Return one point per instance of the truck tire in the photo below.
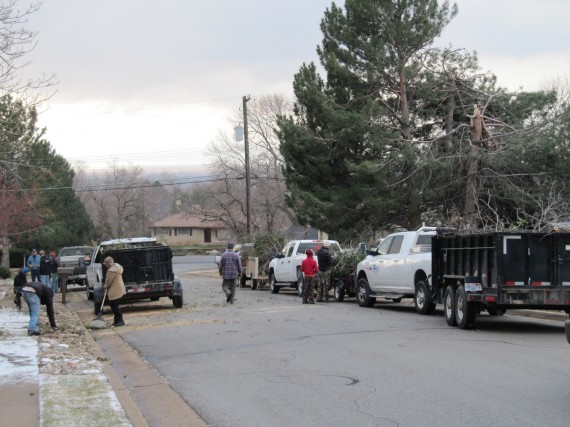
(465, 312)
(273, 284)
(422, 299)
(338, 291)
(449, 306)
(178, 301)
(300, 283)
(363, 293)
(253, 284)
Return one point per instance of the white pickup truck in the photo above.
(398, 269)
(285, 270)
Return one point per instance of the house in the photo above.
(185, 229)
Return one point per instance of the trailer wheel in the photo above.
(178, 301)
(338, 292)
(465, 312)
(273, 284)
(363, 293)
(449, 306)
(300, 284)
(254, 284)
(422, 299)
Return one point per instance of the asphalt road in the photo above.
(269, 360)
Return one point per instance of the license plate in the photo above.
(473, 287)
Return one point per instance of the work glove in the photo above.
(18, 302)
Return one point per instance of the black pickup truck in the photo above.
(147, 270)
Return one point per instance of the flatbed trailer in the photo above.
(499, 271)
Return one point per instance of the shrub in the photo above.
(5, 273)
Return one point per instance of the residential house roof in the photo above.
(184, 219)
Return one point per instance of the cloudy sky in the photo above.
(155, 82)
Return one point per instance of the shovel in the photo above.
(100, 315)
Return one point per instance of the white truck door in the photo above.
(283, 267)
(385, 268)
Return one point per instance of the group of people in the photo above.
(43, 268)
(230, 268)
(321, 271)
(41, 290)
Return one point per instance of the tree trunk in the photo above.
(5, 262)
(469, 212)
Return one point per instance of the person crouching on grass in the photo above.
(36, 294)
(310, 269)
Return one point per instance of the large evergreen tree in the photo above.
(51, 214)
(349, 151)
(401, 132)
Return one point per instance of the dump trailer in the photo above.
(499, 271)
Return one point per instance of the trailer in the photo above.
(499, 271)
(251, 270)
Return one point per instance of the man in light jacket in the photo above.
(115, 288)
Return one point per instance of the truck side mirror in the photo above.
(81, 261)
(362, 248)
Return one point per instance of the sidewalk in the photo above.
(57, 379)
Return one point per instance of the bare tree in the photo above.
(227, 194)
(16, 44)
(118, 203)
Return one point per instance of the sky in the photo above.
(155, 82)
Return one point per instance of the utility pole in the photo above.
(246, 143)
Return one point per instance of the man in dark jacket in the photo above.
(36, 293)
(325, 264)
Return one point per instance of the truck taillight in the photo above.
(490, 298)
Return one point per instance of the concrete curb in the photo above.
(131, 409)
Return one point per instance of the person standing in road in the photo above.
(325, 264)
(45, 268)
(310, 269)
(33, 264)
(230, 269)
(54, 264)
(36, 293)
(115, 288)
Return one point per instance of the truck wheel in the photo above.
(254, 284)
(300, 284)
(363, 293)
(338, 292)
(178, 301)
(273, 284)
(449, 306)
(422, 299)
(464, 310)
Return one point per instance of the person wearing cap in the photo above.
(230, 269)
(54, 264)
(21, 278)
(325, 264)
(45, 268)
(115, 288)
(310, 269)
(33, 263)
